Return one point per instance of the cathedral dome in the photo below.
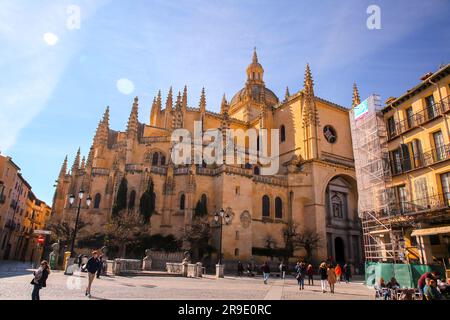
(270, 97)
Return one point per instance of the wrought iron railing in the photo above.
(421, 160)
(425, 204)
(419, 118)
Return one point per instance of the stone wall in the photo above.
(160, 259)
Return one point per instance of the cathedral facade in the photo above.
(314, 187)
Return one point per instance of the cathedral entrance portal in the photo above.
(339, 249)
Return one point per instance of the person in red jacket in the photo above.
(310, 274)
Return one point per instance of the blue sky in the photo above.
(52, 96)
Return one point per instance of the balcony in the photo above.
(417, 119)
(422, 205)
(422, 160)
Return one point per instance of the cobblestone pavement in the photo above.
(15, 284)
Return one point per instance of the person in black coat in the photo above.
(40, 279)
(92, 266)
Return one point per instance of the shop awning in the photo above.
(430, 231)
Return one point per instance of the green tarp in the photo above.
(407, 275)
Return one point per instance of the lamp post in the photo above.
(221, 217)
(71, 201)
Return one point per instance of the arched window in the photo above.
(204, 200)
(182, 201)
(163, 159)
(236, 252)
(282, 133)
(265, 206)
(278, 208)
(256, 171)
(132, 200)
(97, 200)
(337, 206)
(155, 159)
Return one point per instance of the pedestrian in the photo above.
(431, 291)
(39, 280)
(323, 276)
(310, 273)
(266, 272)
(347, 272)
(338, 271)
(92, 267)
(240, 269)
(249, 270)
(282, 268)
(421, 282)
(99, 271)
(331, 277)
(301, 274)
(80, 260)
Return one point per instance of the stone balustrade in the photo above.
(126, 266)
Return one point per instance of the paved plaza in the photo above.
(15, 284)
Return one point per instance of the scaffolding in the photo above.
(373, 172)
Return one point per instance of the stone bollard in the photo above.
(220, 270)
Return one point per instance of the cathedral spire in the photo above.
(105, 119)
(63, 171)
(356, 99)
(178, 101)
(287, 94)
(308, 83)
(153, 112)
(184, 99)
(202, 104)
(169, 101)
(224, 106)
(83, 164)
(76, 163)
(132, 125)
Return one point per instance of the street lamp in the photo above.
(221, 217)
(71, 201)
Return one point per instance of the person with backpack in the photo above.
(301, 274)
(39, 280)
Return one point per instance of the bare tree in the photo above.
(63, 231)
(197, 234)
(125, 229)
(294, 239)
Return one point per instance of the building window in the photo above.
(337, 206)
(265, 206)
(278, 208)
(396, 161)
(431, 108)
(132, 200)
(445, 182)
(391, 127)
(409, 117)
(439, 146)
(236, 252)
(282, 133)
(416, 151)
(155, 159)
(238, 190)
(421, 192)
(163, 160)
(256, 171)
(330, 134)
(97, 200)
(237, 235)
(182, 201)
